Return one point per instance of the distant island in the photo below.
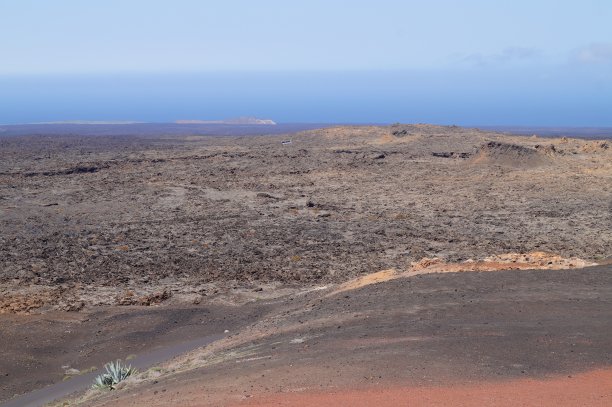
(88, 122)
(239, 120)
(244, 120)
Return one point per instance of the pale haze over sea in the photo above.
(522, 64)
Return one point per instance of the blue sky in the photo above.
(465, 62)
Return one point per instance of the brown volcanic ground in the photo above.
(197, 222)
(128, 213)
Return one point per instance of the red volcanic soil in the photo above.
(588, 389)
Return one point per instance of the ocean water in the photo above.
(442, 97)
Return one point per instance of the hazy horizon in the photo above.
(465, 98)
(518, 64)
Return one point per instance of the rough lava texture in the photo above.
(93, 218)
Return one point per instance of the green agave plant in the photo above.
(115, 373)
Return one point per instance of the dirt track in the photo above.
(38, 350)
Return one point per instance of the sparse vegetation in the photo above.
(115, 373)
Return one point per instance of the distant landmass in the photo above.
(239, 120)
(90, 122)
(244, 126)
(219, 128)
(548, 131)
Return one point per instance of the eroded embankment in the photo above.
(507, 261)
(32, 298)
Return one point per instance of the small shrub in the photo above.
(115, 373)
